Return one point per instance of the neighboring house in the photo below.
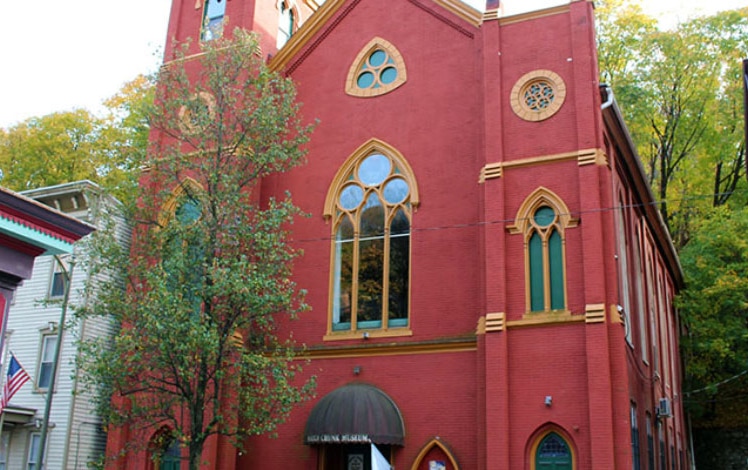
(75, 436)
(488, 274)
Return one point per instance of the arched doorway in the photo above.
(435, 456)
(552, 453)
(355, 427)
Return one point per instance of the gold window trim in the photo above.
(523, 225)
(338, 183)
(351, 85)
(187, 186)
(519, 105)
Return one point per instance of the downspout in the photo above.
(609, 102)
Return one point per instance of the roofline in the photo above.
(41, 212)
(614, 120)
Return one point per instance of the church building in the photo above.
(491, 284)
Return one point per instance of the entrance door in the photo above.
(553, 454)
(351, 456)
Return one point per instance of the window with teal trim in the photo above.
(213, 15)
(371, 269)
(546, 263)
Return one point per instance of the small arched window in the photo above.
(543, 219)
(378, 69)
(553, 452)
(371, 203)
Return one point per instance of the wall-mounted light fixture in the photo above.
(548, 400)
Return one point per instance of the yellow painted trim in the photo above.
(463, 10)
(533, 15)
(304, 34)
(372, 333)
(495, 322)
(523, 225)
(481, 329)
(583, 157)
(391, 349)
(542, 197)
(554, 317)
(427, 448)
(557, 430)
(371, 146)
(492, 14)
(616, 316)
(594, 313)
(351, 82)
(170, 206)
(516, 97)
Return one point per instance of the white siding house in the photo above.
(75, 434)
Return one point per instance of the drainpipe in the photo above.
(610, 100)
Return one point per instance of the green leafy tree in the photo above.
(714, 308)
(680, 92)
(207, 279)
(74, 145)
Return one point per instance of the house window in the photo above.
(57, 283)
(46, 362)
(371, 204)
(35, 440)
(624, 290)
(378, 69)
(286, 23)
(213, 19)
(543, 219)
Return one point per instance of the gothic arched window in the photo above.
(371, 202)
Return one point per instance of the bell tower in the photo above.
(275, 21)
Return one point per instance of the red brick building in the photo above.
(492, 287)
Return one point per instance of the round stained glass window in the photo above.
(539, 95)
(351, 196)
(396, 190)
(544, 216)
(374, 169)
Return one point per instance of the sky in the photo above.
(77, 53)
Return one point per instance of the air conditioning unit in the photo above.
(664, 409)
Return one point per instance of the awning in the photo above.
(355, 413)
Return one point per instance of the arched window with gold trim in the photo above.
(183, 250)
(378, 69)
(543, 219)
(370, 203)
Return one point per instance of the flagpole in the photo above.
(68, 275)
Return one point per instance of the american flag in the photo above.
(13, 382)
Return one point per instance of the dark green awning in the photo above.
(355, 413)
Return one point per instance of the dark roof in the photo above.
(355, 413)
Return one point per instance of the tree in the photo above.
(714, 308)
(680, 91)
(207, 279)
(73, 145)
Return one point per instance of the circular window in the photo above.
(538, 95)
(197, 113)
